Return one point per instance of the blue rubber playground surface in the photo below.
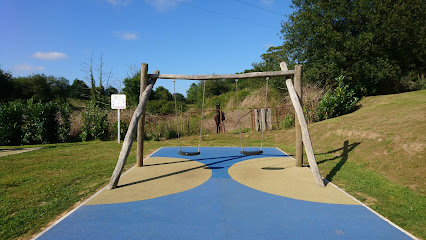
(222, 208)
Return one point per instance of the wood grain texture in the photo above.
(128, 140)
(224, 76)
(299, 142)
(141, 123)
(305, 134)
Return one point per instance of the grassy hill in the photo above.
(384, 161)
(377, 154)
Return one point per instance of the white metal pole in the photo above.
(118, 125)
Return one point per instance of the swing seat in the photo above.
(249, 153)
(189, 153)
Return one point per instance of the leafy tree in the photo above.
(110, 90)
(40, 88)
(6, 86)
(35, 86)
(179, 97)
(215, 88)
(162, 93)
(79, 90)
(59, 88)
(375, 44)
(131, 89)
(193, 93)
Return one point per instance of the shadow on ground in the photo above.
(343, 158)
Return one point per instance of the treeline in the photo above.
(42, 88)
(161, 101)
(378, 46)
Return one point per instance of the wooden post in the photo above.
(141, 123)
(263, 118)
(276, 118)
(298, 88)
(299, 142)
(128, 140)
(269, 118)
(252, 121)
(256, 119)
(305, 134)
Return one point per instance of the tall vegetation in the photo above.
(378, 45)
(27, 122)
(161, 101)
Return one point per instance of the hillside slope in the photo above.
(390, 132)
(377, 154)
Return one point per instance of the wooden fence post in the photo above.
(141, 123)
(256, 119)
(269, 118)
(263, 118)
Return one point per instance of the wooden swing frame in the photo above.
(147, 84)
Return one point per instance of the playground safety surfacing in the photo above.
(222, 194)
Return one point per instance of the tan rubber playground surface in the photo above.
(162, 176)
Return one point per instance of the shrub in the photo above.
(95, 123)
(336, 103)
(123, 130)
(34, 123)
(288, 122)
(11, 122)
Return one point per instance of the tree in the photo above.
(131, 89)
(6, 86)
(179, 97)
(193, 93)
(111, 90)
(162, 93)
(79, 90)
(35, 86)
(376, 44)
(59, 88)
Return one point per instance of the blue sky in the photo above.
(174, 36)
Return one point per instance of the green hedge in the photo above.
(26, 122)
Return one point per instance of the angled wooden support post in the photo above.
(298, 88)
(305, 134)
(128, 140)
(141, 123)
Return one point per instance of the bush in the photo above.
(95, 123)
(288, 122)
(123, 130)
(33, 123)
(339, 102)
(11, 122)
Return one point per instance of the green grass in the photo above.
(383, 165)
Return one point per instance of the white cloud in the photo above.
(127, 35)
(268, 45)
(27, 67)
(163, 5)
(53, 56)
(117, 3)
(267, 2)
